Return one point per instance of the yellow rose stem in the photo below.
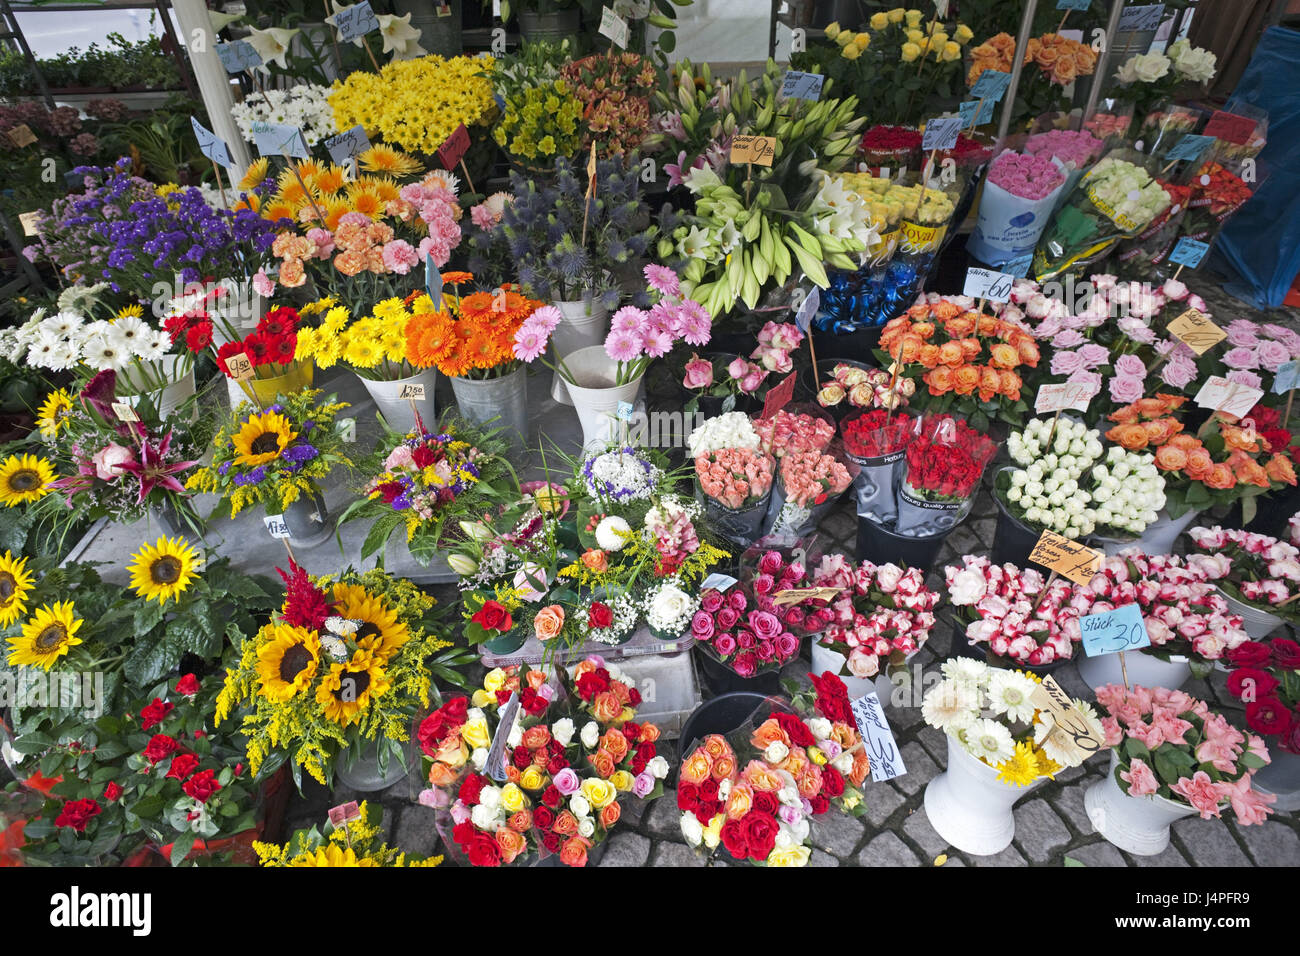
(1051, 579)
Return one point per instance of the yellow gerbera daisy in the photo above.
(329, 180)
(384, 159)
(278, 209)
(380, 631)
(262, 438)
(350, 686)
(164, 570)
(24, 478)
(256, 173)
(362, 352)
(129, 311)
(46, 636)
(1022, 769)
(52, 415)
(15, 583)
(288, 661)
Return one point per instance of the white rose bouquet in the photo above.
(1050, 490)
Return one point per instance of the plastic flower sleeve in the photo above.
(1152, 245)
(1019, 195)
(734, 487)
(877, 442)
(808, 486)
(944, 465)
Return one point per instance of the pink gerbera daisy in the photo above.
(696, 326)
(657, 343)
(623, 345)
(662, 279)
(545, 319)
(529, 343)
(627, 319)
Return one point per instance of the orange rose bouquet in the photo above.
(969, 363)
(756, 792)
(1223, 462)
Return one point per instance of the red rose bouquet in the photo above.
(757, 791)
(1266, 678)
(1217, 194)
(944, 465)
(876, 441)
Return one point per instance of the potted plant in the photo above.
(1172, 757)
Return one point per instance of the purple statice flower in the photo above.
(299, 454)
(253, 477)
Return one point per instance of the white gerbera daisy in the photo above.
(1009, 693)
(965, 670)
(101, 352)
(451, 179)
(61, 324)
(130, 332)
(154, 346)
(42, 351)
(64, 357)
(950, 705)
(990, 741)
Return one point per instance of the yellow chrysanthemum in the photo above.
(1023, 767)
(350, 686)
(257, 170)
(380, 632)
(134, 311)
(51, 417)
(288, 660)
(15, 584)
(24, 478)
(362, 352)
(384, 159)
(46, 637)
(164, 570)
(262, 438)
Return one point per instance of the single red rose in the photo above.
(734, 839)
(706, 810)
(77, 813)
(1250, 654)
(155, 712)
(687, 796)
(760, 834)
(463, 833)
(543, 817)
(532, 702)
(765, 802)
(552, 842)
(795, 728)
(600, 615)
(503, 696)
(457, 710)
(187, 686)
(832, 781)
(631, 731)
(1286, 653)
(493, 617)
(483, 851)
(182, 766)
(552, 797)
(556, 764)
(202, 785)
(522, 757)
(112, 792)
(1268, 716)
(592, 683)
(709, 790)
(634, 697)
(160, 746)
(470, 788)
(820, 804)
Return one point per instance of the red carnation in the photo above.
(820, 804)
(631, 731)
(634, 697)
(522, 757)
(202, 785)
(424, 456)
(187, 686)
(77, 813)
(182, 766)
(160, 746)
(154, 713)
(555, 765)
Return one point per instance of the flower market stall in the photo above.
(559, 454)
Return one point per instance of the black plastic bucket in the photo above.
(723, 714)
(722, 680)
(1012, 540)
(880, 546)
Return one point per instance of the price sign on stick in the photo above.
(1189, 252)
(1113, 631)
(30, 222)
(280, 139)
(802, 86)
(941, 132)
(991, 85)
(1190, 147)
(21, 135)
(1287, 377)
(238, 56)
(1070, 728)
(1231, 398)
(355, 21)
(760, 150)
(976, 112)
(348, 145)
(125, 412)
(614, 27)
(343, 813)
(807, 309)
(432, 281)
(1148, 17)
(778, 396)
(276, 526)
(1196, 330)
(878, 739)
(1067, 558)
(211, 145)
(988, 284)
(795, 595)
(240, 367)
(453, 150)
(718, 582)
(1057, 398)
(412, 391)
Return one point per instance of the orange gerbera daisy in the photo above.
(430, 337)
(385, 188)
(457, 278)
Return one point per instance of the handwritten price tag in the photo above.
(240, 367)
(941, 132)
(1112, 631)
(1057, 398)
(760, 150)
(807, 309)
(453, 151)
(211, 145)
(412, 391)
(798, 595)
(778, 396)
(21, 135)
(279, 139)
(802, 86)
(624, 411)
(991, 85)
(1189, 252)
(496, 766)
(1230, 127)
(1072, 730)
(1190, 147)
(1287, 377)
(238, 56)
(1197, 330)
(614, 27)
(30, 222)
(125, 412)
(355, 21)
(276, 526)
(718, 582)
(1148, 17)
(967, 110)
(1067, 558)
(988, 284)
(343, 813)
(348, 145)
(1019, 267)
(1073, 4)
(1231, 398)
(886, 761)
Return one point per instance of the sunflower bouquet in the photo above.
(358, 842)
(990, 714)
(271, 457)
(341, 667)
(428, 481)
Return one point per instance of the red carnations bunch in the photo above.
(945, 461)
(877, 433)
(1266, 679)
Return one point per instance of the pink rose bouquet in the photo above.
(1004, 608)
(810, 478)
(1169, 744)
(1252, 568)
(791, 431)
(734, 477)
(1075, 148)
(743, 630)
(1029, 177)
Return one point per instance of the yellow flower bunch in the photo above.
(329, 193)
(359, 842)
(373, 346)
(416, 104)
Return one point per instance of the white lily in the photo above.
(398, 34)
(272, 45)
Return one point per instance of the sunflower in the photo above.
(52, 415)
(349, 688)
(1022, 769)
(381, 632)
(288, 661)
(15, 583)
(24, 478)
(331, 854)
(262, 438)
(46, 636)
(164, 570)
(385, 159)
(256, 173)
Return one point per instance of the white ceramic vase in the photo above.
(585, 323)
(595, 396)
(1256, 623)
(397, 410)
(969, 807)
(1144, 670)
(1137, 825)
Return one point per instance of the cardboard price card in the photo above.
(977, 112)
(412, 391)
(1067, 558)
(718, 582)
(1197, 331)
(1071, 729)
(343, 813)
(802, 86)
(276, 526)
(808, 308)
(991, 85)
(760, 150)
(1190, 147)
(941, 132)
(1288, 374)
(1189, 252)
(240, 367)
(1110, 632)
(30, 222)
(988, 284)
(1057, 398)
(795, 595)
(453, 151)
(355, 21)
(1147, 17)
(882, 750)
(778, 397)
(125, 412)
(347, 145)
(614, 27)
(21, 135)
(1231, 398)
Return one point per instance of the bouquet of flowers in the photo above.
(991, 714)
(711, 378)
(865, 388)
(271, 349)
(733, 485)
(889, 149)
(1182, 613)
(792, 432)
(427, 481)
(271, 457)
(1255, 569)
(1149, 79)
(1169, 744)
(758, 793)
(1116, 200)
(967, 360)
(810, 483)
(728, 430)
(744, 629)
(882, 616)
(614, 89)
(341, 666)
(1006, 609)
(1020, 193)
(1217, 193)
(358, 842)
(1264, 678)
(944, 464)
(541, 122)
(481, 335)
(876, 441)
(571, 754)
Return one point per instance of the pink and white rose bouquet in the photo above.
(1005, 609)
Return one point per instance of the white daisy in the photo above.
(100, 353)
(61, 324)
(965, 670)
(154, 346)
(130, 331)
(950, 705)
(42, 352)
(1009, 693)
(990, 741)
(64, 357)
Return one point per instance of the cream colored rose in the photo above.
(600, 793)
